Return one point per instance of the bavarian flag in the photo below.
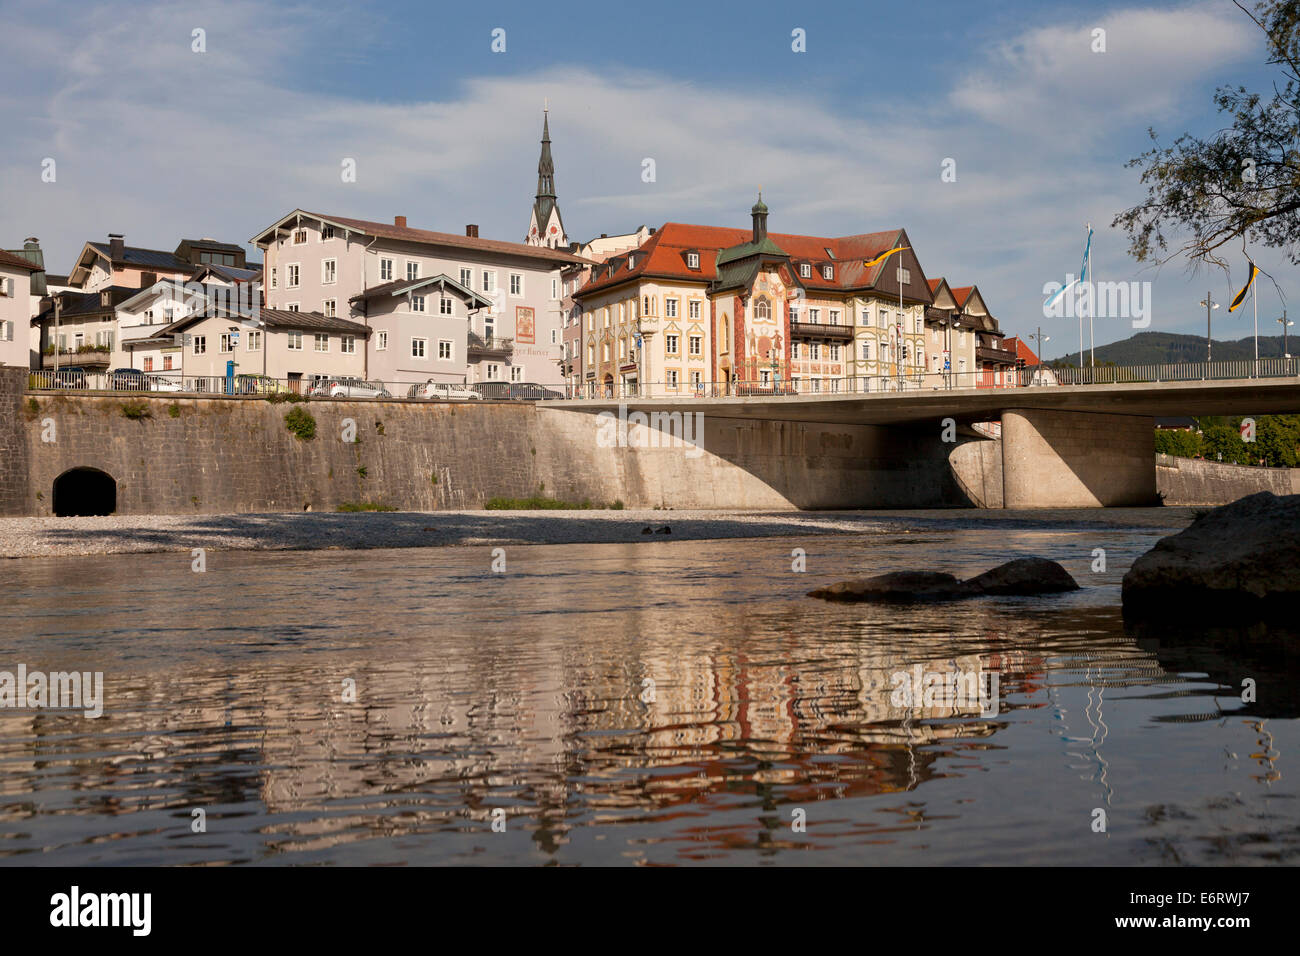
(882, 257)
(1241, 296)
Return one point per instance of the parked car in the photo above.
(74, 377)
(350, 388)
(532, 392)
(443, 391)
(253, 384)
(156, 383)
(127, 380)
(494, 390)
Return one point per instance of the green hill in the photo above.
(1152, 348)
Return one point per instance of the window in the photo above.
(591, 355)
(694, 310)
(694, 344)
(348, 345)
(866, 351)
(329, 271)
(412, 271)
(293, 307)
(762, 309)
(794, 311)
(805, 270)
(647, 305)
(417, 303)
(622, 348)
(291, 275)
(254, 342)
(670, 344)
(444, 350)
(466, 276)
(326, 232)
(200, 344)
(816, 352)
(765, 377)
(554, 336)
(794, 350)
(381, 341)
(835, 316)
(828, 272)
(331, 307)
(670, 308)
(555, 288)
(671, 375)
(814, 315)
(835, 353)
(148, 364)
(223, 343)
(605, 352)
(605, 313)
(418, 347)
(299, 236)
(697, 378)
(273, 283)
(295, 341)
(385, 270)
(516, 373)
(920, 326)
(692, 260)
(489, 281)
(516, 284)
(322, 342)
(444, 306)
(493, 373)
(167, 363)
(904, 276)
(883, 319)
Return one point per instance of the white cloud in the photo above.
(161, 143)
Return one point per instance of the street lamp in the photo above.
(1286, 354)
(1209, 304)
(1039, 338)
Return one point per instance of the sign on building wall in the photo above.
(525, 325)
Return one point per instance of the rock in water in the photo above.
(1024, 576)
(1021, 576)
(904, 586)
(1239, 559)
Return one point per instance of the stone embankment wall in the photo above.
(218, 455)
(1191, 481)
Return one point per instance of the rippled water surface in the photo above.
(661, 702)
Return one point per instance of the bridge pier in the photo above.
(1068, 459)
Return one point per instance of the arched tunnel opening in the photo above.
(81, 492)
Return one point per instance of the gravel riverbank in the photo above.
(119, 534)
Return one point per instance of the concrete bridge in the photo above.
(1062, 446)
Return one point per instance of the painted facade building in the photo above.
(573, 278)
(332, 265)
(715, 309)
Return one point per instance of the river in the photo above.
(659, 702)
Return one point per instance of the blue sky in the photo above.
(159, 142)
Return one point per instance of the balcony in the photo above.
(817, 330)
(983, 353)
(489, 346)
(88, 356)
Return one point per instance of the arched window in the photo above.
(762, 309)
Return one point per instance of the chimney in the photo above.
(399, 221)
(604, 235)
(472, 230)
(116, 246)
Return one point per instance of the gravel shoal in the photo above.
(119, 534)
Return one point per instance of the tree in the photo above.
(1241, 181)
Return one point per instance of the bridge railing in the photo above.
(1178, 372)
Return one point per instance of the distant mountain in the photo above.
(1153, 348)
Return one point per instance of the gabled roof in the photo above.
(11, 260)
(423, 236)
(228, 273)
(1022, 349)
(274, 320)
(402, 286)
(144, 258)
(85, 303)
(663, 255)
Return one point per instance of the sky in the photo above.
(159, 142)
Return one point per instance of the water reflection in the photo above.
(671, 703)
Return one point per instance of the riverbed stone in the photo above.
(1022, 576)
(1239, 559)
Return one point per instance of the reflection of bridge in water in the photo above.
(1062, 445)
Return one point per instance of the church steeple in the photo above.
(546, 227)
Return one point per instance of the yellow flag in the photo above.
(882, 257)
(1241, 296)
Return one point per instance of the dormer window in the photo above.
(103, 298)
(828, 272)
(692, 260)
(829, 253)
(299, 236)
(326, 232)
(805, 271)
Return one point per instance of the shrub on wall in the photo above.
(135, 410)
(301, 423)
